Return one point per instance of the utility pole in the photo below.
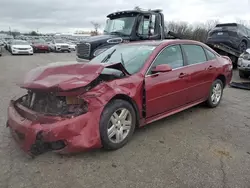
(10, 30)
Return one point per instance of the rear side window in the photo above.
(210, 55)
(194, 53)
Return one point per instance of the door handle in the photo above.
(210, 67)
(183, 75)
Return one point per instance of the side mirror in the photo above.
(162, 68)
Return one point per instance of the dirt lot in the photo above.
(199, 147)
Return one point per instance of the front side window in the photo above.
(210, 55)
(122, 25)
(171, 55)
(132, 56)
(194, 53)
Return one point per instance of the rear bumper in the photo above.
(40, 49)
(36, 134)
(232, 42)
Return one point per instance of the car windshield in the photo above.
(39, 42)
(20, 42)
(132, 56)
(121, 25)
(59, 41)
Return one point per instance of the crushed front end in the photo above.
(44, 121)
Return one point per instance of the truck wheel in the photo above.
(242, 46)
(117, 124)
(242, 74)
(215, 94)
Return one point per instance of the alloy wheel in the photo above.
(216, 93)
(119, 125)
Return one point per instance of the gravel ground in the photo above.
(199, 147)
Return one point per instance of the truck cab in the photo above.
(121, 27)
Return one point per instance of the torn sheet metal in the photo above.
(64, 103)
(64, 77)
(240, 85)
(37, 133)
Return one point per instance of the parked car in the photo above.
(51, 46)
(244, 64)
(40, 46)
(232, 34)
(7, 46)
(20, 47)
(72, 46)
(59, 45)
(72, 107)
(1, 47)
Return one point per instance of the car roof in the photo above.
(165, 42)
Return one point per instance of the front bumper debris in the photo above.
(37, 133)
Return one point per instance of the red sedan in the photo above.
(40, 46)
(72, 107)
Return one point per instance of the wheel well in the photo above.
(223, 79)
(244, 40)
(132, 102)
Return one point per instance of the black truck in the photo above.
(136, 25)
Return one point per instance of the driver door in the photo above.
(166, 91)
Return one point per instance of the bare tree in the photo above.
(96, 26)
(210, 24)
(246, 23)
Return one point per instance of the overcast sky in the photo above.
(69, 15)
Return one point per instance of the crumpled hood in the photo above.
(64, 75)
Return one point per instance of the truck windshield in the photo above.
(121, 25)
(132, 56)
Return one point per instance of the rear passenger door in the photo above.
(198, 70)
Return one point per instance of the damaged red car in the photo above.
(72, 107)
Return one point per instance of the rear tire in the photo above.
(117, 124)
(215, 94)
(242, 74)
(242, 46)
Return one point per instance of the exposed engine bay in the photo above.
(50, 104)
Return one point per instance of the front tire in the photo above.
(215, 94)
(117, 124)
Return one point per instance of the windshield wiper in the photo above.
(108, 56)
